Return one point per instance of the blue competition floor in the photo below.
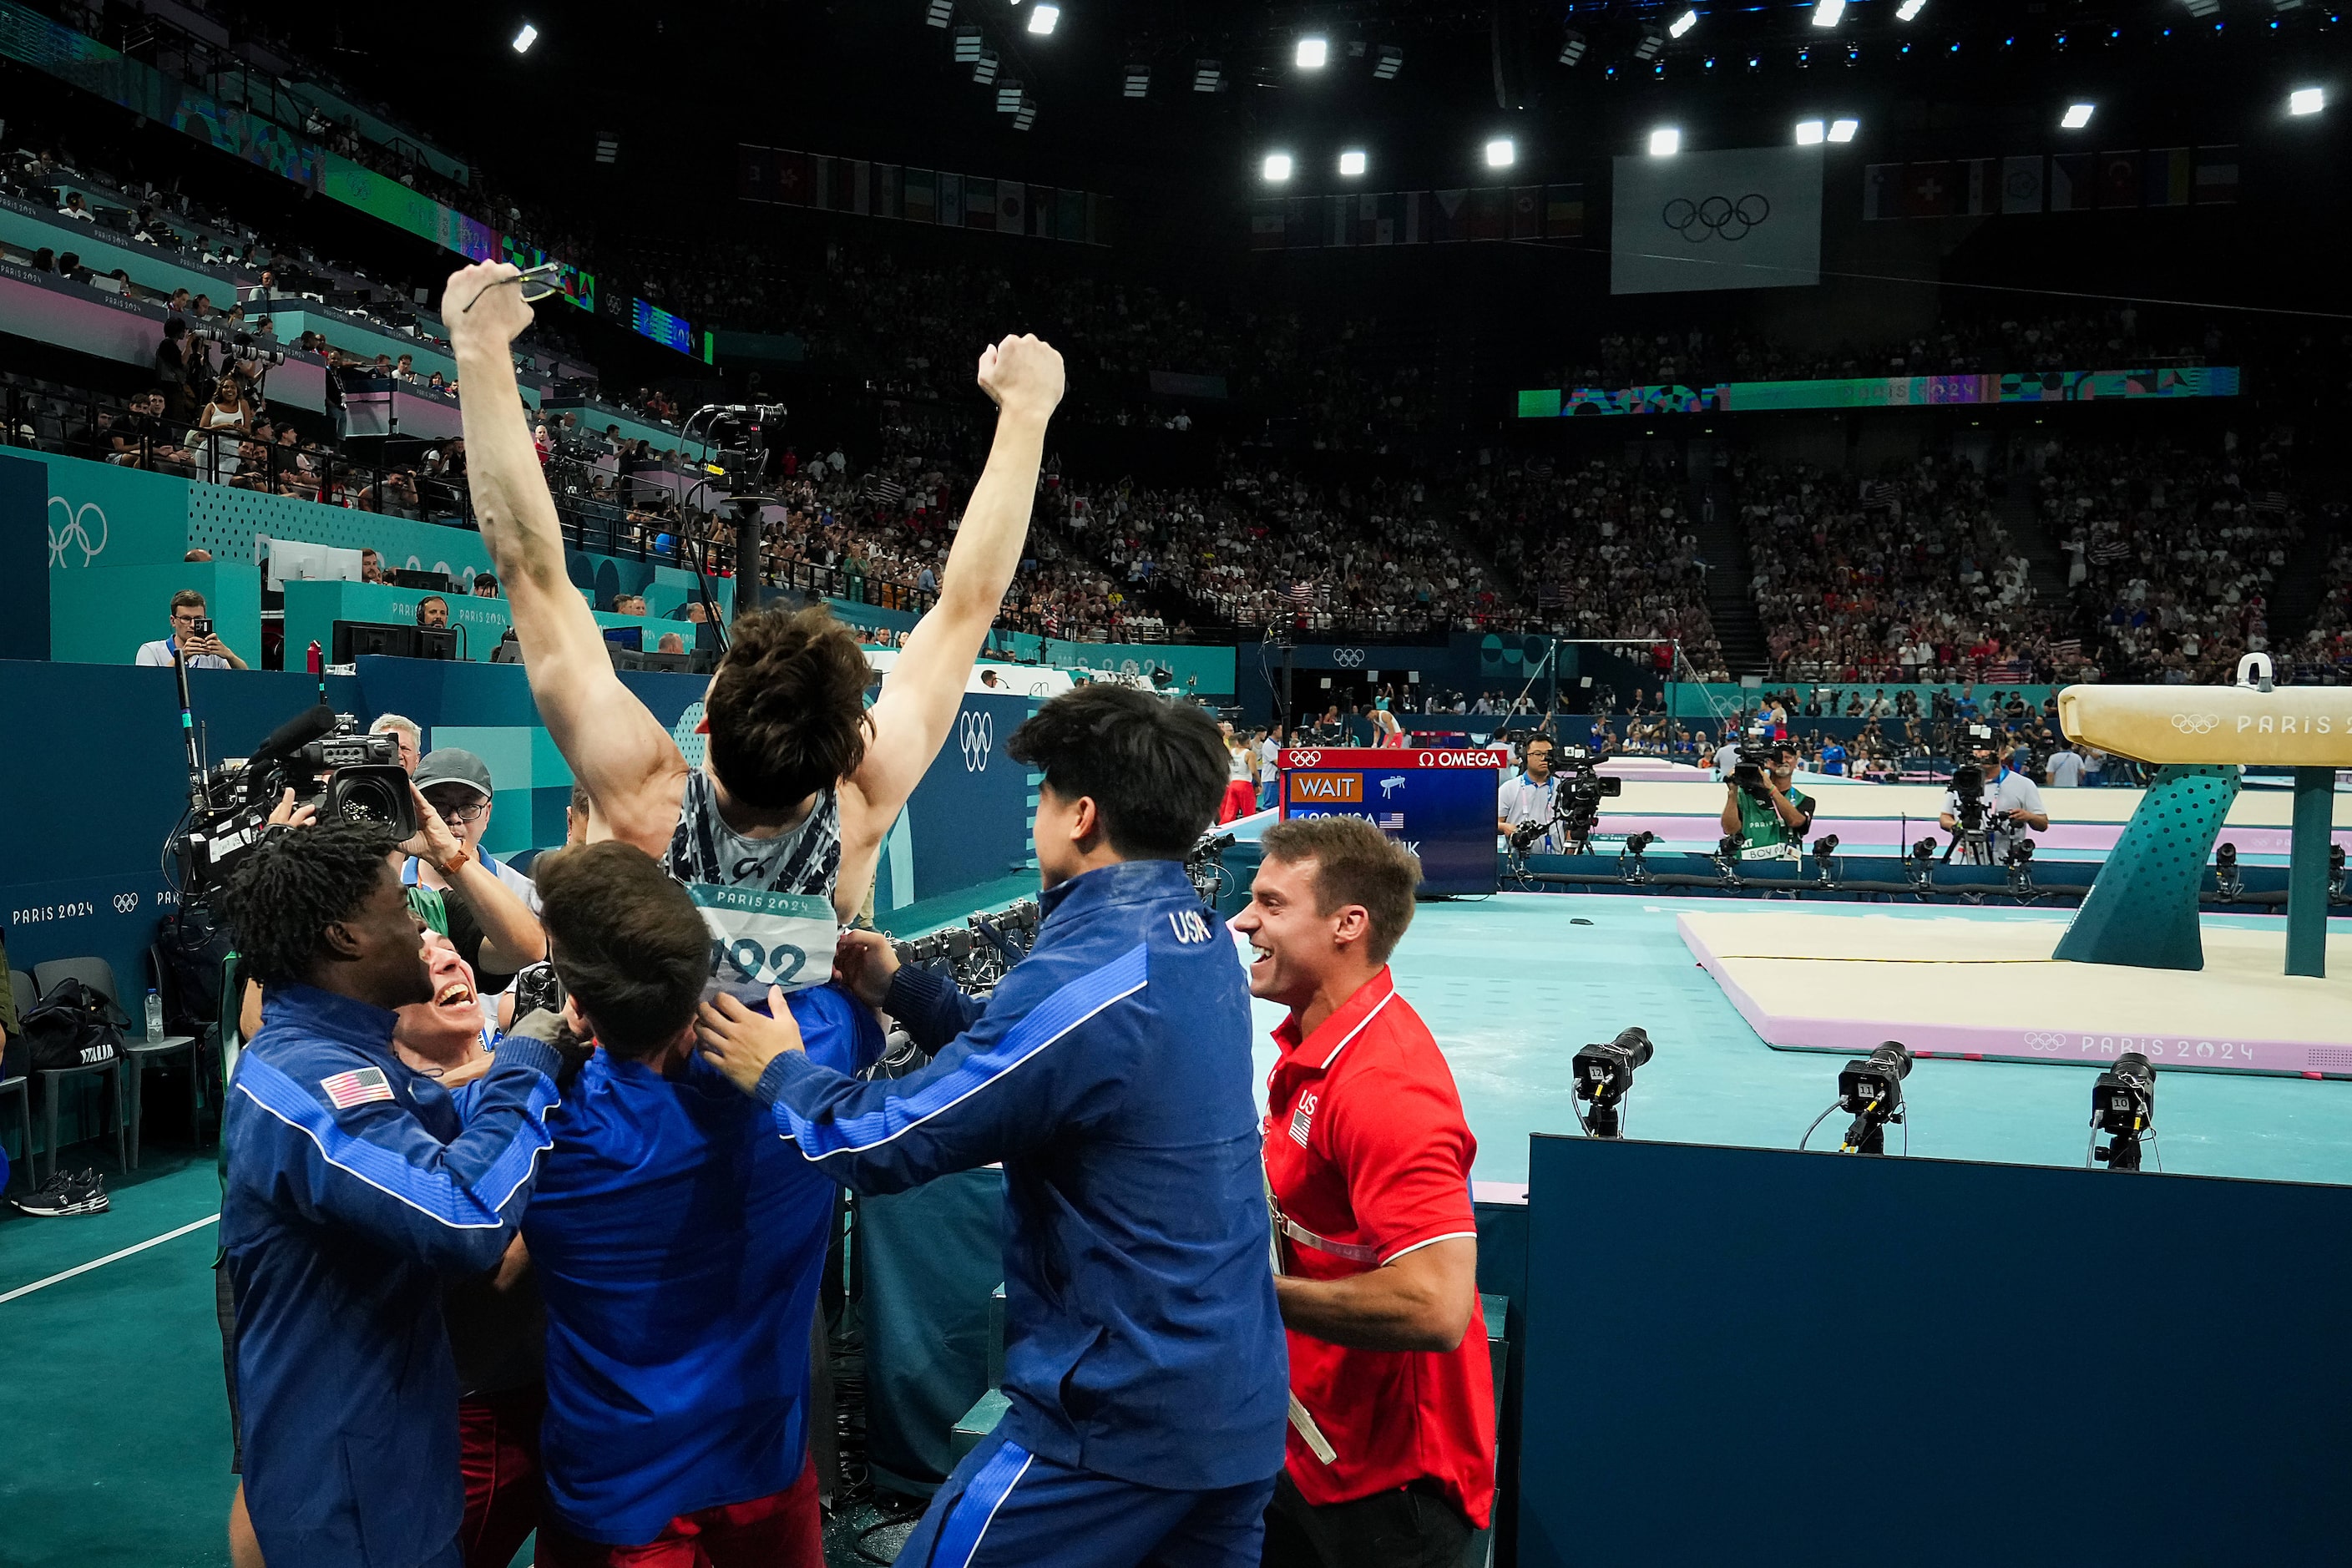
(1511, 986)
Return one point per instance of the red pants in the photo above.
(498, 1436)
(782, 1531)
(1241, 799)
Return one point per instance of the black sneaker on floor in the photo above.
(65, 1193)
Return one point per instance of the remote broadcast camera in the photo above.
(1602, 1075)
(320, 755)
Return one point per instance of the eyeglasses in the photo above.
(459, 812)
(536, 282)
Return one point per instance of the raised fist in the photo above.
(1022, 375)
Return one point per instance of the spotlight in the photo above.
(2123, 1105)
(1278, 168)
(608, 147)
(2203, 7)
(2077, 116)
(966, 45)
(938, 13)
(524, 39)
(1844, 130)
(1312, 53)
(1571, 47)
(1351, 163)
(1208, 76)
(1501, 153)
(983, 69)
(1872, 1092)
(1138, 82)
(1391, 60)
(1653, 42)
(1602, 1074)
(1027, 115)
(1008, 94)
(1910, 9)
(1665, 142)
(2306, 100)
(1810, 132)
(1827, 12)
(1042, 19)
(1684, 24)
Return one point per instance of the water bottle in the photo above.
(154, 1016)
(318, 664)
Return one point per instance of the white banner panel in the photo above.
(1744, 218)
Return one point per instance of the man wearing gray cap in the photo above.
(489, 912)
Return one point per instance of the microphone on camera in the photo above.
(295, 733)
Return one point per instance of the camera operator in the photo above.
(1763, 806)
(1390, 1460)
(352, 1184)
(1529, 796)
(1109, 1072)
(1988, 795)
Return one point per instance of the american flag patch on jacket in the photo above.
(357, 1086)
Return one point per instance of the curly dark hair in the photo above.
(280, 902)
(1156, 769)
(787, 711)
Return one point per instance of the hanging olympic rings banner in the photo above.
(1747, 217)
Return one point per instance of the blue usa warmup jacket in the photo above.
(1111, 1073)
(352, 1188)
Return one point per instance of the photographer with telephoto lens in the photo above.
(1763, 806)
(1990, 805)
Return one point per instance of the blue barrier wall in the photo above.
(1748, 1355)
(98, 782)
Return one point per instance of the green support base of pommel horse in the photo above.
(2141, 911)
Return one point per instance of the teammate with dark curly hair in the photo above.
(354, 1184)
(282, 902)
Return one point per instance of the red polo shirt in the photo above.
(1365, 1148)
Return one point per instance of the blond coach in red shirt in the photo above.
(1391, 1457)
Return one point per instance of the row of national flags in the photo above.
(791, 178)
(1419, 217)
(2058, 182)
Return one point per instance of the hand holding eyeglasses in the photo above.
(488, 305)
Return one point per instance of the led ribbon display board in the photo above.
(1882, 392)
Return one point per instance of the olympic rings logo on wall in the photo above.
(1305, 759)
(125, 902)
(2195, 723)
(976, 732)
(1348, 658)
(2039, 1040)
(76, 533)
(1716, 217)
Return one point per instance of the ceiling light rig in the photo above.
(937, 13)
(1136, 82)
(1827, 12)
(1276, 169)
(525, 38)
(1387, 63)
(1208, 76)
(1571, 47)
(1312, 53)
(1043, 18)
(1683, 24)
(2077, 116)
(1502, 153)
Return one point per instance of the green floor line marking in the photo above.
(109, 1257)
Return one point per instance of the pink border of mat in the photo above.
(1968, 1042)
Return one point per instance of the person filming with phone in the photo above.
(192, 634)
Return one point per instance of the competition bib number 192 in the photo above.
(760, 939)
